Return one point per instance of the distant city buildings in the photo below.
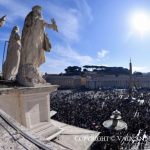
(105, 81)
(64, 81)
(122, 81)
(94, 80)
(108, 81)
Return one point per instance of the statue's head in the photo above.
(37, 10)
(16, 29)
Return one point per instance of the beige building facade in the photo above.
(65, 81)
(99, 81)
(122, 81)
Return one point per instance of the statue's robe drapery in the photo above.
(11, 64)
(33, 44)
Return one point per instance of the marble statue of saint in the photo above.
(2, 20)
(11, 64)
(34, 44)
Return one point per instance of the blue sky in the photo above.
(91, 32)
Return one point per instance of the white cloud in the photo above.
(102, 53)
(141, 68)
(67, 21)
(71, 55)
(84, 9)
(53, 65)
(68, 24)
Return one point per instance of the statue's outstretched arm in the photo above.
(52, 25)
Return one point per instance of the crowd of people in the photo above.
(89, 109)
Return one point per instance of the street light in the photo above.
(115, 122)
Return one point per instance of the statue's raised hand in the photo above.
(54, 26)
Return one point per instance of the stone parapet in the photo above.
(28, 105)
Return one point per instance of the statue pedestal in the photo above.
(30, 106)
(28, 75)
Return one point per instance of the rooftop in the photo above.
(14, 136)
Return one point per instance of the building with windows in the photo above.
(64, 81)
(120, 81)
(108, 81)
(93, 80)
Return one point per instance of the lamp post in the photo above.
(115, 122)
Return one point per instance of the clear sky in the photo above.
(91, 32)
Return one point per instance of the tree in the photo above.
(85, 70)
(73, 70)
(137, 73)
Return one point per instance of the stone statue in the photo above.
(11, 64)
(34, 44)
(2, 20)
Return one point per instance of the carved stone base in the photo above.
(30, 106)
(29, 76)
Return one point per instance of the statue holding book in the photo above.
(34, 44)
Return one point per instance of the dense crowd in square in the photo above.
(89, 109)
